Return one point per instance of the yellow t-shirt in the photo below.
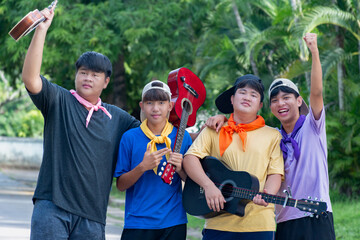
(262, 157)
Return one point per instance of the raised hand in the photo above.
(311, 41)
(49, 15)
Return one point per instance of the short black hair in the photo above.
(257, 85)
(284, 89)
(156, 94)
(96, 62)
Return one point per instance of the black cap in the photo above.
(223, 101)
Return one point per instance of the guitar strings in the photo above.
(231, 191)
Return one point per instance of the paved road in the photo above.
(16, 190)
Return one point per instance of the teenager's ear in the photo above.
(261, 105)
(171, 105)
(107, 80)
(299, 101)
(232, 99)
(141, 104)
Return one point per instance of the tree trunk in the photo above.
(340, 76)
(242, 31)
(340, 72)
(359, 54)
(293, 4)
(119, 84)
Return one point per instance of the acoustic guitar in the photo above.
(188, 94)
(28, 23)
(238, 189)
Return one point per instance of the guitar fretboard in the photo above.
(181, 131)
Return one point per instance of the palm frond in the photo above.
(256, 40)
(331, 58)
(326, 15)
(295, 69)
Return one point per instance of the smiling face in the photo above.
(285, 106)
(89, 84)
(246, 100)
(156, 112)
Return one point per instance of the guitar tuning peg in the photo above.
(311, 215)
(309, 197)
(317, 216)
(316, 199)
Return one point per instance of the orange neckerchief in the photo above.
(226, 132)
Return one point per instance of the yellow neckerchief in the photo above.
(163, 138)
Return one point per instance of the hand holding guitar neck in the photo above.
(48, 15)
(32, 20)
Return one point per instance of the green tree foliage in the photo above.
(218, 40)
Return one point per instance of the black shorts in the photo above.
(307, 228)
(177, 232)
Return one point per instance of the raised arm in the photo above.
(316, 89)
(33, 59)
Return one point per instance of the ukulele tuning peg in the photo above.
(316, 199)
(311, 215)
(309, 197)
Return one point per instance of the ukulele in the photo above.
(238, 189)
(28, 23)
(188, 93)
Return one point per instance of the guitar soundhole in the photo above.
(186, 104)
(227, 189)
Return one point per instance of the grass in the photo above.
(347, 219)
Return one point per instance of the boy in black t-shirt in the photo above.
(81, 139)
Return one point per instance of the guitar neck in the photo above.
(249, 194)
(181, 130)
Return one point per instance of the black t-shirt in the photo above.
(78, 162)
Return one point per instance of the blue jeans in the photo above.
(51, 222)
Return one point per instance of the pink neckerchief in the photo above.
(90, 105)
